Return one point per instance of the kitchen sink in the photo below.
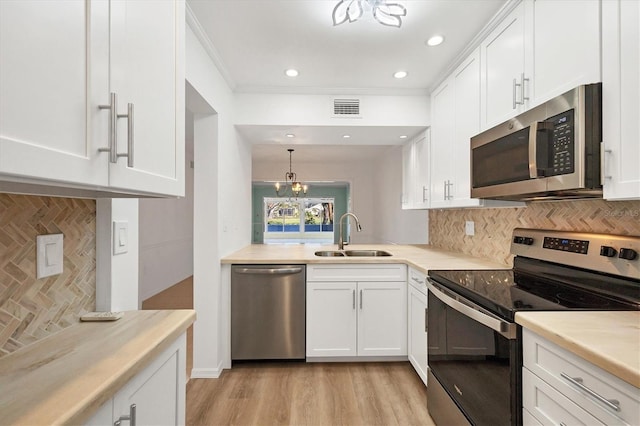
(329, 253)
(366, 253)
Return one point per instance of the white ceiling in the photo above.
(256, 40)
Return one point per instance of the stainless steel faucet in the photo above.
(341, 242)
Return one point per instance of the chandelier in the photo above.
(292, 187)
(384, 12)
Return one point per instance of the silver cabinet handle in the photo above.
(360, 299)
(604, 153)
(131, 417)
(354, 299)
(113, 128)
(450, 186)
(424, 197)
(612, 404)
(129, 153)
(445, 190)
(523, 89)
(415, 279)
(515, 102)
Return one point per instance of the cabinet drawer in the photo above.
(550, 362)
(355, 272)
(550, 407)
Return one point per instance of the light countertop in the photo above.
(66, 377)
(610, 340)
(423, 258)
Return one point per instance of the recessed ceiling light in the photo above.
(400, 74)
(290, 135)
(435, 40)
(291, 72)
(346, 136)
(403, 136)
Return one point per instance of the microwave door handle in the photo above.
(533, 150)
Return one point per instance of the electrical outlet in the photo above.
(470, 228)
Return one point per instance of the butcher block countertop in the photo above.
(66, 377)
(423, 258)
(610, 340)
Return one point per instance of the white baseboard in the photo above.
(206, 373)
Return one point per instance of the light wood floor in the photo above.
(298, 393)
(178, 296)
(310, 394)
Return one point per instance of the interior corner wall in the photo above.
(222, 202)
(395, 225)
(166, 236)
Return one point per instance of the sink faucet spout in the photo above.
(341, 242)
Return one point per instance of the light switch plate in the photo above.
(470, 228)
(49, 255)
(120, 236)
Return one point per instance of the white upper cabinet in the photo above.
(60, 60)
(620, 96)
(415, 172)
(442, 130)
(542, 49)
(48, 127)
(502, 70)
(562, 45)
(147, 57)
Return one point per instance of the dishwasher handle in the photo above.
(268, 271)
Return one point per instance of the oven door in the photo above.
(475, 356)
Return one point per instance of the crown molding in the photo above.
(505, 10)
(212, 52)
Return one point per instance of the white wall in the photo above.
(166, 235)
(394, 224)
(293, 109)
(116, 274)
(222, 198)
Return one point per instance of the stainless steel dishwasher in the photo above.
(268, 312)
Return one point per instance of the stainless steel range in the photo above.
(474, 344)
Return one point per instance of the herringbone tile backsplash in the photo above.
(493, 227)
(31, 309)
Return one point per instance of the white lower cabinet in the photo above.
(356, 310)
(155, 396)
(417, 323)
(559, 387)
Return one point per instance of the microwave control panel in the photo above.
(561, 146)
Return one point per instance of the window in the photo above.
(298, 221)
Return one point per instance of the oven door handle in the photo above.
(473, 311)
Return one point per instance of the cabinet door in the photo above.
(421, 171)
(620, 94)
(157, 392)
(417, 336)
(467, 124)
(407, 175)
(442, 130)
(147, 57)
(382, 318)
(562, 46)
(502, 55)
(48, 121)
(331, 319)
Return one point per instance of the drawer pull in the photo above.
(612, 404)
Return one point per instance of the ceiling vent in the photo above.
(346, 108)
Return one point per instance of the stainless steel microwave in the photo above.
(552, 151)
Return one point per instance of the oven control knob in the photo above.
(608, 251)
(627, 253)
(527, 240)
(518, 240)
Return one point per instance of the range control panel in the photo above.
(614, 254)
